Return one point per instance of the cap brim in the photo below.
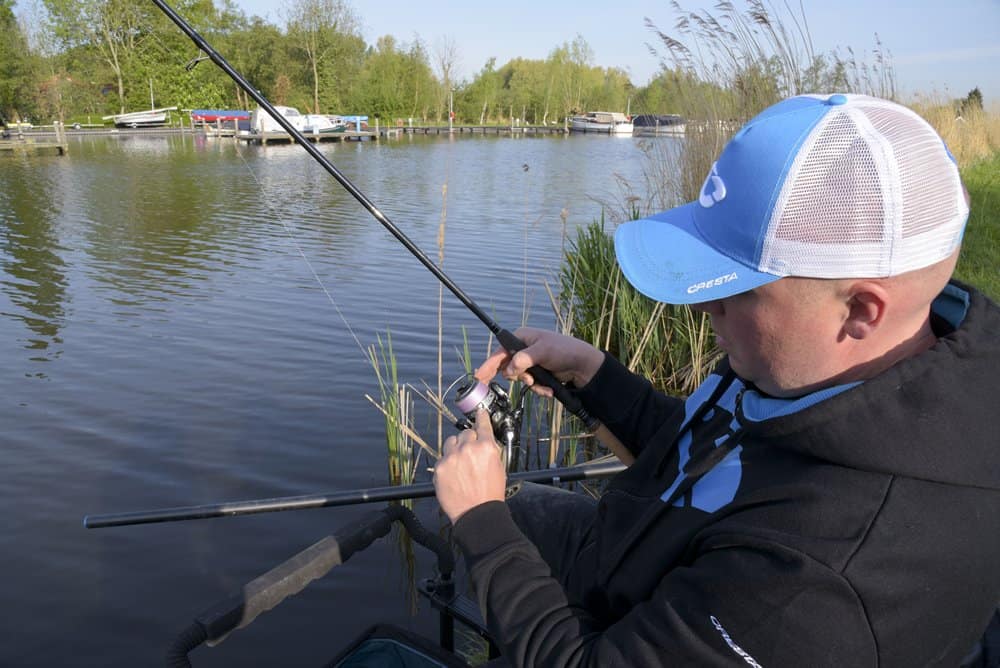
(667, 259)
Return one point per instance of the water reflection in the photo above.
(153, 233)
(34, 272)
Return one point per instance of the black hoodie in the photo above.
(859, 526)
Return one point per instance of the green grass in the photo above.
(979, 262)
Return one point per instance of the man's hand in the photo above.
(470, 471)
(568, 359)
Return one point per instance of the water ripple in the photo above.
(187, 321)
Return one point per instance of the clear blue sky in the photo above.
(944, 47)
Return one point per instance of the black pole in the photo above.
(353, 497)
(505, 337)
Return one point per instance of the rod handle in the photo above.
(545, 377)
(572, 402)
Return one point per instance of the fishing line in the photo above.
(506, 338)
(189, 66)
(292, 238)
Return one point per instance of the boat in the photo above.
(261, 122)
(608, 122)
(659, 124)
(141, 119)
(204, 116)
(322, 124)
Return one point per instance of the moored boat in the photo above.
(261, 122)
(607, 122)
(218, 115)
(321, 124)
(659, 124)
(141, 119)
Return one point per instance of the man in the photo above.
(830, 495)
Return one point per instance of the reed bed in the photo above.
(667, 344)
(972, 133)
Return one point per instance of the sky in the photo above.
(936, 48)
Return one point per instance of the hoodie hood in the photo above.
(929, 417)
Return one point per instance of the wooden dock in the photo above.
(392, 132)
(480, 130)
(22, 143)
(265, 138)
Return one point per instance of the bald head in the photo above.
(798, 335)
(883, 320)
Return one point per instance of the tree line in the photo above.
(73, 59)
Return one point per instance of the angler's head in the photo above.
(819, 238)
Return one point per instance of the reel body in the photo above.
(505, 417)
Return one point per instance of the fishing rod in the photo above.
(355, 497)
(506, 338)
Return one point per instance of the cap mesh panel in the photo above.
(872, 193)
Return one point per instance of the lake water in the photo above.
(182, 321)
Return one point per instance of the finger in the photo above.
(450, 446)
(522, 374)
(489, 369)
(484, 427)
(519, 364)
(537, 388)
(541, 390)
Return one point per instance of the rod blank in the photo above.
(347, 498)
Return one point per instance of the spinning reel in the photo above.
(505, 417)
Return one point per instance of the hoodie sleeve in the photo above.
(628, 404)
(742, 602)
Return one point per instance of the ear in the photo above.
(866, 307)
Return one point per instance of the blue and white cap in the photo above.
(838, 186)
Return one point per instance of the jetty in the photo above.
(476, 130)
(285, 138)
(35, 141)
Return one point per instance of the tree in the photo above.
(255, 50)
(252, 46)
(571, 65)
(446, 58)
(527, 84)
(420, 76)
(972, 103)
(114, 28)
(15, 64)
(396, 80)
(476, 99)
(323, 31)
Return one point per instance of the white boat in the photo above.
(322, 124)
(141, 119)
(261, 122)
(608, 122)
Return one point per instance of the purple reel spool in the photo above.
(473, 396)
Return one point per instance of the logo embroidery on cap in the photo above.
(718, 192)
(713, 283)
